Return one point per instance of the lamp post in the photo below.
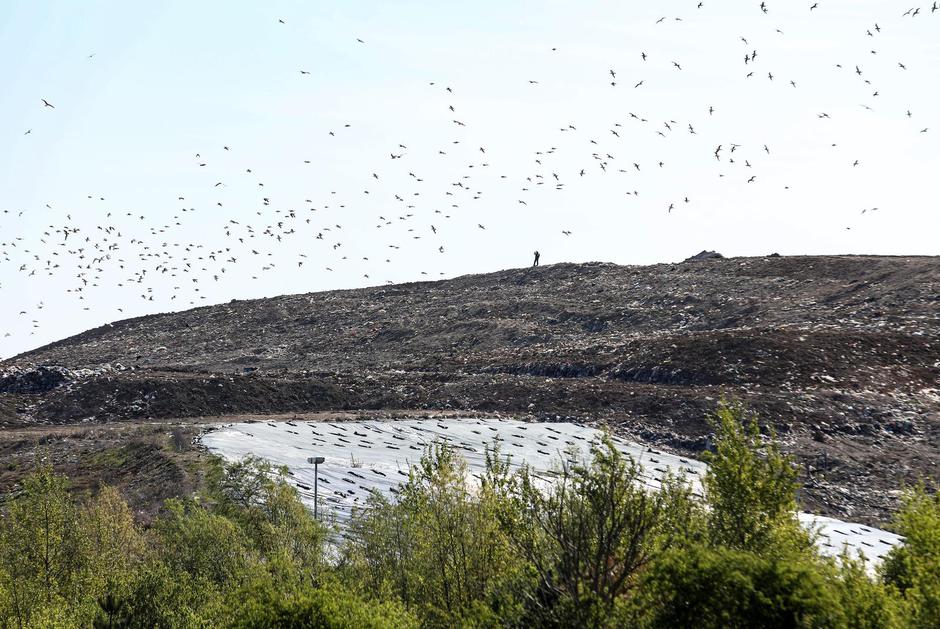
(316, 460)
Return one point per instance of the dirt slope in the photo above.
(840, 354)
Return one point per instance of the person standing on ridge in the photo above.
(536, 262)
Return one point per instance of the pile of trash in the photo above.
(33, 379)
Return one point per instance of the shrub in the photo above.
(698, 586)
(914, 567)
(750, 488)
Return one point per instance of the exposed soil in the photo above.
(840, 355)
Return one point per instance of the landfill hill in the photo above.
(840, 355)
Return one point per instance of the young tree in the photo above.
(41, 550)
(750, 488)
(268, 510)
(438, 546)
(112, 542)
(587, 534)
(914, 567)
(866, 602)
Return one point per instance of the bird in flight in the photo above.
(47, 103)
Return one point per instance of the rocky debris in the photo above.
(39, 379)
(704, 255)
(836, 353)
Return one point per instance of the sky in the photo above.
(198, 152)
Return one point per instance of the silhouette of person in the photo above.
(536, 262)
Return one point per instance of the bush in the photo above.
(866, 602)
(707, 587)
(330, 607)
(750, 488)
(914, 567)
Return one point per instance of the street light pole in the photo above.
(316, 460)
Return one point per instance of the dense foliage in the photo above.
(585, 547)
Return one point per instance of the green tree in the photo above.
(113, 546)
(587, 535)
(208, 546)
(438, 547)
(913, 568)
(269, 512)
(865, 601)
(750, 487)
(41, 551)
(329, 607)
(682, 517)
(701, 586)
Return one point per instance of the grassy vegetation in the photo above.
(114, 457)
(591, 549)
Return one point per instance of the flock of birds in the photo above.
(136, 252)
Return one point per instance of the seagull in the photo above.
(47, 103)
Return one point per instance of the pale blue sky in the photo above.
(169, 80)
